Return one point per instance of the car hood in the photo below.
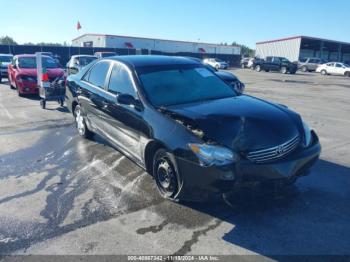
(241, 123)
(52, 72)
(226, 76)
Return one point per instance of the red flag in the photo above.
(78, 26)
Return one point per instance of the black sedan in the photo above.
(188, 128)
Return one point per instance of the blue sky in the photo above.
(211, 21)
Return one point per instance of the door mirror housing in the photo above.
(126, 99)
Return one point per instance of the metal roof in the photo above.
(146, 38)
(302, 36)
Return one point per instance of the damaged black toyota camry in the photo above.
(188, 128)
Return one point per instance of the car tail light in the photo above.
(45, 77)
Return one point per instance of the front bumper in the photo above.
(28, 88)
(203, 182)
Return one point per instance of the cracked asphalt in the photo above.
(61, 194)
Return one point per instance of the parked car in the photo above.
(52, 55)
(100, 55)
(216, 63)
(5, 60)
(276, 63)
(187, 127)
(309, 64)
(77, 62)
(334, 68)
(23, 73)
(244, 62)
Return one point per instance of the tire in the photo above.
(166, 175)
(217, 67)
(243, 66)
(19, 92)
(284, 70)
(61, 102)
(258, 68)
(81, 124)
(323, 72)
(267, 70)
(42, 103)
(304, 69)
(0, 79)
(347, 74)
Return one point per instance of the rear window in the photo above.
(302, 60)
(30, 62)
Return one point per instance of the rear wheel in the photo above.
(323, 72)
(80, 123)
(284, 70)
(165, 174)
(258, 68)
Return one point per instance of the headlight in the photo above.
(307, 134)
(213, 155)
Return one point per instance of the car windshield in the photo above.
(5, 58)
(284, 59)
(346, 65)
(30, 62)
(85, 60)
(182, 84)
(218, 60)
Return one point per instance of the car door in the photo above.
(330, 67)
(124, 121)
(91, 94)
(339, 69)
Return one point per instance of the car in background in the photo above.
(309, 64)
(77, 62)
(244, 62)
(187, 128)
(100, 55)
(52, 55)
(216, 63)
(22, 73)
(5, 60)
(334, 68)
(276, 63)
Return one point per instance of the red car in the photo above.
(22, 73)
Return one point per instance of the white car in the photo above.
(334, 68)
(216, 63)
(77, 62)
(5, 60)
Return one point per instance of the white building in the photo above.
(171, 46)
(298, 47)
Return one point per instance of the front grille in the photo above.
(274, 153)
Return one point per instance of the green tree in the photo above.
(245, 50)
(6, 40)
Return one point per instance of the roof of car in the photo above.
(153, 60)
(30, 55)
(74, 56)
(6, 54)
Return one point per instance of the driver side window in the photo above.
(120, 81)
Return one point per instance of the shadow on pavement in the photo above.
(311, 218)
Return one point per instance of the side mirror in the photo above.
(126, 99)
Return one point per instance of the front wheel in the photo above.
(217, 67)
(284, 70)
(258, 68)
(347, 74)
(80, 123)
(323, 72)
(304, 69)
(165, 174)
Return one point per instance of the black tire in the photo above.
(258, 68)
(19, 92)
(323, 72)
(42, 103)
(83, 130)
(0, 79)
(347, 74)
(165, 174)
(217, 67)
(304, 69)
(61, 102)
(267, 70)
(284, 70)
